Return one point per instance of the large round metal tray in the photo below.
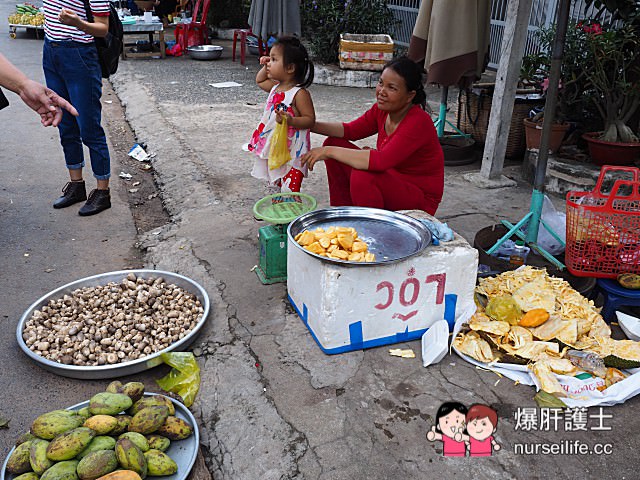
(118, 369)
(391, 236)
(183, 452)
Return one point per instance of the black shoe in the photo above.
(73, 192)
(98, 201)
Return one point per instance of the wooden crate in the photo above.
(360, 51)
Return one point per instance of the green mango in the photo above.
(101, 442)
(52, 424)
(123, 424)
(101, 424)
(28, 476)
(38, 456)
(25, 437)
(134, 390)
(130, 457)
(62, 471)
(158, 442)
(84, 412)
(69, 444)
(149, 419)
(151, 401)
(97, 464)
(175, 428)
(106, 403)
(19, 460)
(114, 387)
(159, 463)
(140, 440)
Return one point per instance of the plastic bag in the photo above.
(184, 377)
(279, 151)
(557, 221)
(504, 309)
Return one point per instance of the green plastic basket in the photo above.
(281, 208)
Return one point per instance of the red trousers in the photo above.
(389, 190)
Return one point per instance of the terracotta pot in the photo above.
(611, 153)
(533, 133)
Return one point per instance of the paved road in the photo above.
(43, 248)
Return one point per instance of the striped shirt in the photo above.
(54, 30)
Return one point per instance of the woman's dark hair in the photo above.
(294, 53)
(412, 74)
(446, 408)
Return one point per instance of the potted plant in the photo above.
(535, 70)
(610, 64)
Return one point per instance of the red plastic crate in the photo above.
(603, 230)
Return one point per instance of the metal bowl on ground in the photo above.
(205, 52)
(117, 369)
(183, 452)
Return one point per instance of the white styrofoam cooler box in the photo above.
(354, 307)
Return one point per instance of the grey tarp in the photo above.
(275, 17)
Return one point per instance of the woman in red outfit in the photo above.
(406, 170)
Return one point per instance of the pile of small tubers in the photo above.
(114, 323)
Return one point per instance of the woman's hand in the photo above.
(69, 17)
(314, 155)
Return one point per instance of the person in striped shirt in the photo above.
(71, 68)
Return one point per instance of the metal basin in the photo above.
(183, 452)
(391, 236)
(118, 369)
(205, 52)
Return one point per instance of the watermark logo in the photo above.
(465, 430)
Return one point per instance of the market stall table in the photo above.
(150, 28)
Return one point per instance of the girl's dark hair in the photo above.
(448, 407)
(412, 75)
(294, 53)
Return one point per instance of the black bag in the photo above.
(109, 47)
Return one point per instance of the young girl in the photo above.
(286, 74)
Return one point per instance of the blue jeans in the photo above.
(73, 71)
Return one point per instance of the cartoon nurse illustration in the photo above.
(482, 422)
(449, 422)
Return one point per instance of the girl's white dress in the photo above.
(260, 143)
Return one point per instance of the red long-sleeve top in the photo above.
(413, 149)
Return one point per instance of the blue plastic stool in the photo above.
(616, 296)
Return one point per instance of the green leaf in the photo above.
(544, 399)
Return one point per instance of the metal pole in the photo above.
(537, 197)
(442, 115)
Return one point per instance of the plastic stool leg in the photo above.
(233, 49)
(243, 48)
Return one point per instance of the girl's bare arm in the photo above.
(306, 115)
(263, 81)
